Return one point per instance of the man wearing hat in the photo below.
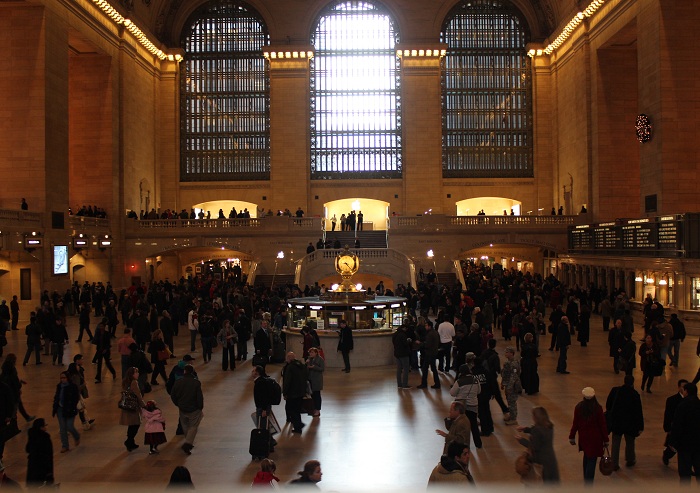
(178, 371)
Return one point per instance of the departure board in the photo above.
(581, 238)
(668, 234)
(645, 235)
(658, 236)
(606, 237)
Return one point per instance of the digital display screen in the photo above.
(60, 259)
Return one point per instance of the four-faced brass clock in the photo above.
(347, 263)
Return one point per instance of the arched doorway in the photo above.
(492, 206)
(213, 206)
(375, 212)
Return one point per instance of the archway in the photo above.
(375, 212)
(213, 206)
(220, 262)
(492, 206)
(524, 258)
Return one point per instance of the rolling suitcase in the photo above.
(259, 443)
(279, 351)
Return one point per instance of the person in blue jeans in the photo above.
(65, 408)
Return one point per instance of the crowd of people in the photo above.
(448, 331)
(89, 211)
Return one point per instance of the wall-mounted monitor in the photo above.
(60, 259)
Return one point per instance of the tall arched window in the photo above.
(486, 88)
(225, 120)
(355, 104)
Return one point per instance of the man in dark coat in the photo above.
(102, 354)
(402, 351)
(166, 326)
(429, 352)
(262, 342)
(346, 344)
(624, 415)
(14, 309)
(669, 412)
(8, 411)
(33, 332)
(563, 343)
(685, 434)
(294, 377)
(615, 341)
(188, 397)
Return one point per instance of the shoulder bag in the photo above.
(164, 354)
(129, 401)
(606, 465)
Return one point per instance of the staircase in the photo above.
(446, 279)
(280, 279)
(368, 239)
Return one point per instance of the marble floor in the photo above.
(370, 435)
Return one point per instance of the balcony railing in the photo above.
(82, 222)
(219, 226)
(458, 222)
(23, 218)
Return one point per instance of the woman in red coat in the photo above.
(589, 422)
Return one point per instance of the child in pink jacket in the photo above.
(155, 426)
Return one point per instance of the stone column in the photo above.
(422, 137)
(289, 130)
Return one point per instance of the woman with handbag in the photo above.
(228, 337)
(130, 405)
(650, 360)
(540, 445)
(316, 365)
(65, 408)
(589, 423)
(159, 355)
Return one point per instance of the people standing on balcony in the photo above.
(360, 219)
(24, 206)
(310, 248)
(343, 219)
(299, 212)
(334, 220)
(351, 221)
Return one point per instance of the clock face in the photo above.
(347, 264)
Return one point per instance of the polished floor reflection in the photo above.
(370, 435)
